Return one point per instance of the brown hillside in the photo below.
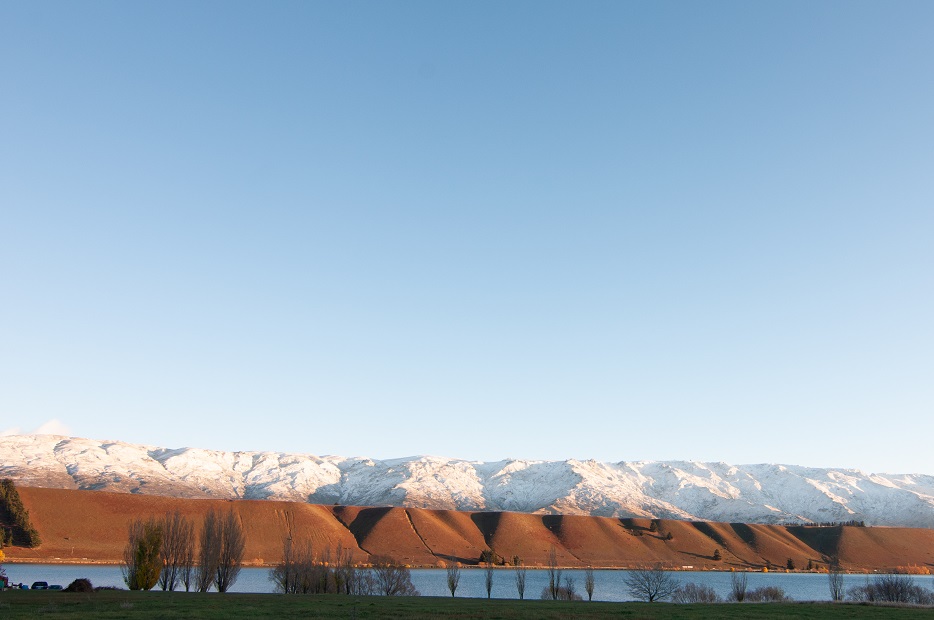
(449, 535)
(90, 526)
(386, 532)
(893, 546)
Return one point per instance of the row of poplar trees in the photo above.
(162, 551)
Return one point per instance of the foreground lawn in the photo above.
(124, 604)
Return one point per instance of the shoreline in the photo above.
(470, 567)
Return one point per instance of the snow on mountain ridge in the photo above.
(762, 493)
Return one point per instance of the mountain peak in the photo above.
(761, 493)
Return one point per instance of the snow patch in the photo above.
(763, 493)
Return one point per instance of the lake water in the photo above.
(433, 582)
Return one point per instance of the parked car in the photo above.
(55, 587)
(40, 585)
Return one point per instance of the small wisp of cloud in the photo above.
(52, 427)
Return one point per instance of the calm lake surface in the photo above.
(433, 582)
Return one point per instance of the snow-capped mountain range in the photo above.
(672, 489)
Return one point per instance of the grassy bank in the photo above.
(124, 604)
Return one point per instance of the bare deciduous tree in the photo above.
(891, 589)
(350, 576)
(738, 587)
(283, 574)
(835, 580)
(178, 535)
(488, 577)
(520, 578)
(301, 571)
(766, 594)
(554, 574)
(187, 567)
(589, 582)
(650, 584)
(141, 563)
(208, 552)
(306, 578)
(392, 578)
(361, 583)
(695, 593)
(454, 576)
(230, 556)
(342, 567)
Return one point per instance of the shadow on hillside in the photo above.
(487, 523)
(362, 525)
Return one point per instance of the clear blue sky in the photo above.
(620, 231)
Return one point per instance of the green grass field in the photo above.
(125, 604)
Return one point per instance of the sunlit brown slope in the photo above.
(83, 526)
(449, 535)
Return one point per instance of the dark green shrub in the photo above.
(12, 510)
(80, 585)
(141, 556)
